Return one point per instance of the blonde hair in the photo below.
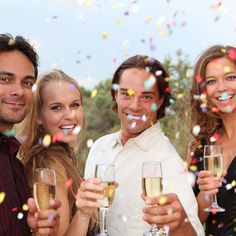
(209, 121)
(59, 156)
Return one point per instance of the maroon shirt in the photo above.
(13, 183)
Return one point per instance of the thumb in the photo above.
(32, 206)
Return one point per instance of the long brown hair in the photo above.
(202, 111)
(59, 156)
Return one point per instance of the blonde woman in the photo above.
(57, 114)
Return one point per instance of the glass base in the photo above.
(214, 209)
(160, 232)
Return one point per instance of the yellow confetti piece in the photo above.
(2, 196)
(180, 96)
(227, 69)
(11, 42)
(94, 93)
(193, 168)
(149, 19)
(25, 207)
(233, 184)
(130, 92)
(119, 22)
(223, 50)
(167, 79)
(47, 140)
(105, 34)
(162, 200)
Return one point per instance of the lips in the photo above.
(225, 98)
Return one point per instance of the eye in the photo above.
(29, 83)
(76, 105)
(55, 108)
(146, 98)
(4, 79)
(231, 77)
(210, 82)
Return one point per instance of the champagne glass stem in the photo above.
(214, 201)
(154, 228)
(102, 215)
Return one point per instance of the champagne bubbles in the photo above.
(196, 130)
(89, 143)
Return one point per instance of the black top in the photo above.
(13, 184)
(223, 223)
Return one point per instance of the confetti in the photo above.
(94, 93)
(25, 207)
(89, 143)
(68, 182)
(2, 197)
(11, 42)
(10, 133)
(76, 130)
(162, 200)
(158, 72)
(130, 92)
(232, 54)
(214, 137)
(20, 215)
(115, 87)
(34, 88)
(46, 140)
(105, 34)
(133, 125)
(227, 69)
(196, 130)
(150, 82)
(144, 118)
(154, 107)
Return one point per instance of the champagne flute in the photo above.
(213, 162)
(44, 187)
(152, 186)
(106, 173)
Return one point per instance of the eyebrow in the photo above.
(59, 103)
(227, 73)
(142, 92)
(12, 75)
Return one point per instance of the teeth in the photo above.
(67, 126)
(131, 117)
(223, 98)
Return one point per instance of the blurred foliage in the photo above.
(101, 120)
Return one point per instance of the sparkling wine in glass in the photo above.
(152, 186)
(213, 162)
(44, 187)
(106, 173)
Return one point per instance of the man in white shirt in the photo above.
(141, 94)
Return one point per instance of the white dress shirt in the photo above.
(125, 214)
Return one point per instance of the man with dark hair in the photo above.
(18, 73)
(140, 92)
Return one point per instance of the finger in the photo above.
(89, 195)
(49, 215)
(88, 186)
(162, 199)
(45, 231)
(32, 206)
(205, 173)
(55, 204)
(87, 204)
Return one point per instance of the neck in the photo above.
(229, 122)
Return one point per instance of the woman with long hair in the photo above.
(213, 121)
(50, 136)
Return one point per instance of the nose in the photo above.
(17, 90)
(68, 114)
(222, 86)
(134, 105)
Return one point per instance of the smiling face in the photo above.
(62, 110)
(221, 84)
(136, 104)
(17, 77)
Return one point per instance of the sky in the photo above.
(89, 39)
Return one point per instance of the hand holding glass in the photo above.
(213, 162)
(44, 187)
(152, 186)
(106, 173)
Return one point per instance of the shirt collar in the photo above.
(145, 140)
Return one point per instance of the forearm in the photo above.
(203, 202)
(79, 225)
